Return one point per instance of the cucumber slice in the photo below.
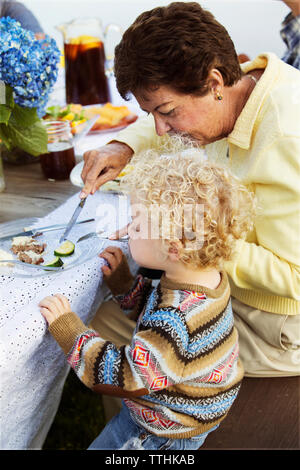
(67, 248)
(55, 263)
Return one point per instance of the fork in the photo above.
(125, 238)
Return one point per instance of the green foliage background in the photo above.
(21, 127)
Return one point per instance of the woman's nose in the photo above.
(161, 126)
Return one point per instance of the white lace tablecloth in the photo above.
(33, 368)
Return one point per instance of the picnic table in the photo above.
(33, 368)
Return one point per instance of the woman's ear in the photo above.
(174, 249)
(215, 82)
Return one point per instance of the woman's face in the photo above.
(200, 118)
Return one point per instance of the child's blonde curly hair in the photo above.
(181, 177)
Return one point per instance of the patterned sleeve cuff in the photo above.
(129, 300)
(66, 329)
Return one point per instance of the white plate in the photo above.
(84, 251)
(16, 226)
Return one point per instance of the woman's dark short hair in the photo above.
(176, 45)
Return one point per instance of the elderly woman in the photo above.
(182, 67)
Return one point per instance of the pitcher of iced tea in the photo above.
(86, 62)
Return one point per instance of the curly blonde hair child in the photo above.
(181, 177)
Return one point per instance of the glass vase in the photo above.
(17, 156)
(2, 182)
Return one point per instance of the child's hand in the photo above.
(53, 307)
(114, 256)
(117, 275)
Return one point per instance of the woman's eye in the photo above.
(169, 113)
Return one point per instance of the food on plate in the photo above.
(28, 249)
(72, 112)
(30, 257)
(21, 244)
(5, 256)
(110, 116)
(25, 244)
(55, 263)
(67, 248)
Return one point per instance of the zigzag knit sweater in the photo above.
(181, 373)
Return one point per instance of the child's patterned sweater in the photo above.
(181, 373)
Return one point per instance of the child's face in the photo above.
(146, 251)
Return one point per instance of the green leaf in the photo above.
(5, 140)
(32, 140)
(24, 117)
(5, 113)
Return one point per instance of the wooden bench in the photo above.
(265, 415)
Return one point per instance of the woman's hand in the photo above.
(53, 307)
(114, 256)
(104, 164)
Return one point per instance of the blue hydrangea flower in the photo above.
(28, 65)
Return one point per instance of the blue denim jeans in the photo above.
(123, 433)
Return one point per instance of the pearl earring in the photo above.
(219, 96)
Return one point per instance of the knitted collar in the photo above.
(215, 293)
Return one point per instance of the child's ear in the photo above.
(173, 252)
